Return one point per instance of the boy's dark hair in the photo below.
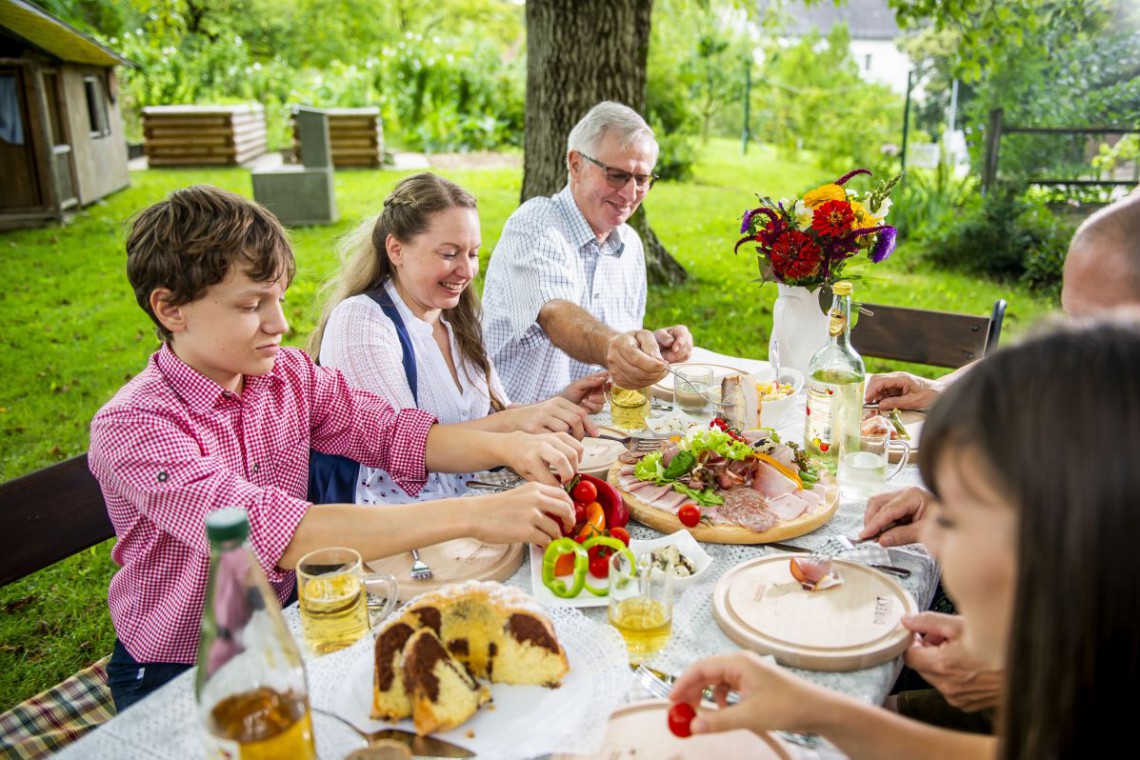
(191, 240)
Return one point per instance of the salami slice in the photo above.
(746, 508)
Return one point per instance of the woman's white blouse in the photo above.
(362, 343)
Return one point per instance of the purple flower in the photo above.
(747, 220)
(885, 246)
(842, 180)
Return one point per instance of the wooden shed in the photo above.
(356, 135)
(203, 135)
(61, 134)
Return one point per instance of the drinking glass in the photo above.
(864, 462)
(688, 385)
(332, 599)
(640, 604)
(629, 407)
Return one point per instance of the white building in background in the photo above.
(873, 34)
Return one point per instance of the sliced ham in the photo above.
(789, 506)
(813, 498)
(627, 481)
(653, 493)
(626, 470)
(640, 485)
(671, 501)
(668, 453)
(771, 483)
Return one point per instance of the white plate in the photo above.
(598, 454)
(540, 592)
(685, 544)
(525, 720)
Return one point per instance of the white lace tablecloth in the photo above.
(165, 725)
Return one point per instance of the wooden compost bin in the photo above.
(355, 134)
(203, 135)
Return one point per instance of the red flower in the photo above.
(833, 218)
(795, 256)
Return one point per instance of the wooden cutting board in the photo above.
(760, 606)
(463, 559)
(640, 730)
(666, 522)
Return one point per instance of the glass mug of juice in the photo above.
(629, 407)
(864, 462)
(640, 604)
(333, 596)
(690, 387)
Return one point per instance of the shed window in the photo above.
(97, 106)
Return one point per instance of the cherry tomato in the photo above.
(621, 534)
(584, 492)
(689, 514)
(561, 527)
(680, 717)
(579, 515)
(600, 566)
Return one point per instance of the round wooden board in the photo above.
(761, 607)
(463, 559)
(666, 522)
(640, 730)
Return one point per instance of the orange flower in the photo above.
(824, 193)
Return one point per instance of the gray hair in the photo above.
(608, 117)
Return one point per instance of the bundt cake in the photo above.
(429, 655)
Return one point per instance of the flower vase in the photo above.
(799, 324)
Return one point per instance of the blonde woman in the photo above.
(404, 323)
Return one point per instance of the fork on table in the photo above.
(638, 444)
(420, 569)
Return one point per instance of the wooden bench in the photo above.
(922, 336)
(48, 516)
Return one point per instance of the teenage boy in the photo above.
(224, 415)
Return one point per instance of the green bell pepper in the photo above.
(556, 549)
(607, 542)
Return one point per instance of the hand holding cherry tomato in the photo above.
(680, 719)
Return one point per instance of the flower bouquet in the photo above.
(808, 241)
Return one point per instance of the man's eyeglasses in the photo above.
(617, 179)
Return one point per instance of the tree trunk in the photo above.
(580, 52)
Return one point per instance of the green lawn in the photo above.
(73, 334)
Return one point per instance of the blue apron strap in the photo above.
(332, 478)
(381, 297)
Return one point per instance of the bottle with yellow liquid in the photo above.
(834, 386)
(253, 700)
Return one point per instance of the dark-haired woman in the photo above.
(403, 298)
(1037, 511)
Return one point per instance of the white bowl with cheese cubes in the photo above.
(679, 552)
(777, 398)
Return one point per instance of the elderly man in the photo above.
(1102, 273)
(565, 289)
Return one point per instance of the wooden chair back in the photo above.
(48, 515)
(922, 336)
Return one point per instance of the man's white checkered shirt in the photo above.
(547, 251)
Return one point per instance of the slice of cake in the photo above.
(442, 693)
(493, 631)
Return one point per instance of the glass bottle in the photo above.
(835, 385)
(253, 700)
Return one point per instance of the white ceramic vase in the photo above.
(799, 324)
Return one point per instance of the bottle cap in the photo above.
(842, 288)
(228, 524)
